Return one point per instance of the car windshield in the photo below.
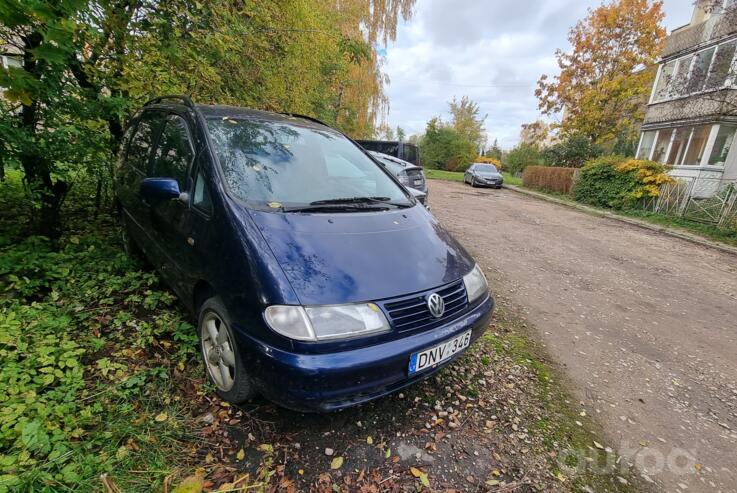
(485, 168)
(278, 164)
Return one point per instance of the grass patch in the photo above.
(439, 174)
(709, 231)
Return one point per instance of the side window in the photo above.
(201, 196)
(174, 152)
(140, 146)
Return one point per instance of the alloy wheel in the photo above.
(218, 352)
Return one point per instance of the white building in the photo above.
(691, 119)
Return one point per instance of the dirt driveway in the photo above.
(644, 325)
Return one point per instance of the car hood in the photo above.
(364, 256)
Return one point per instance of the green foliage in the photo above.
(522, 156)
(444, 148)
(619, 183)
(573, 152)
(88, 65)
(495, 152)
(82, 334)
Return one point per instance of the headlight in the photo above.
(475, 283)
(318, 323)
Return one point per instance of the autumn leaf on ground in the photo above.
(337, 463)
(240, 455)
(161, 417)
(191, 484)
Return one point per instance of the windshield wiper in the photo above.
(354, 200)
(338, 207)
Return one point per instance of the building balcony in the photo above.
(688, 37)
(706, 106)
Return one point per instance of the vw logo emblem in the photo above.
(436, 305)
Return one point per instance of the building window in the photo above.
(700, 70)
(722, 144)
(707, 69)
(722, 65)
(679, 84)
(696, 145)
(661, 144)
(678, 146)
(646, 145)
(666, 73)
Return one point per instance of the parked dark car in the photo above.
(316, 278)
(401, 150)
(408, 174)
(483, 175)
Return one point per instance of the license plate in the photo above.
(431, 357)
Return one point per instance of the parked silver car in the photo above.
(409, 175)
(483, 175)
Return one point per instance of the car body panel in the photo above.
(349, 257)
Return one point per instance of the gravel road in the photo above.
(643, 324)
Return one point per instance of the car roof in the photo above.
(393, 159)
(240, 113)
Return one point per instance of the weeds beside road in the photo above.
(101, 375)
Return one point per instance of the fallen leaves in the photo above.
(161, 417)
(336, 463)
(191, 484)
(422, 476)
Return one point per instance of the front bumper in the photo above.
(328, 382)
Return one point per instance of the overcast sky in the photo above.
(493, 51)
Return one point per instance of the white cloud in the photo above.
(492, 51)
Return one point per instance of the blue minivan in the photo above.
(317, 279)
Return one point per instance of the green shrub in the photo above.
(619, 183)
(522, 156)
(573, 152)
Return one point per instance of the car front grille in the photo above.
(411, 312)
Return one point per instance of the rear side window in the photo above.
(140, 146)
(174, 152)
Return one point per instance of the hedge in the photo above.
(619, 183)
(549, 178)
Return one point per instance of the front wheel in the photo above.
(473, 182)
(223, 363)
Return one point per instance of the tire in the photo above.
(223, 362)
(473, 182)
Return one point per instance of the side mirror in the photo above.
(159, 189)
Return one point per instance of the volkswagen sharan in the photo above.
(316, 278)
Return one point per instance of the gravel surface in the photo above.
(644, 325)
